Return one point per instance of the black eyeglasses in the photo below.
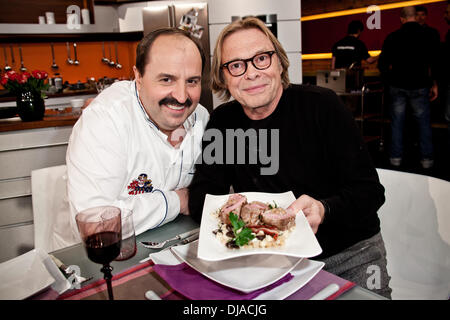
(260, 61)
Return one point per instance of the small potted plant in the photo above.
(29, 91)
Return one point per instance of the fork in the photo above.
(182, 242)
(159, 245)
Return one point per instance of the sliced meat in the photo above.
(251, 211)
(233, 204)
(279, 218)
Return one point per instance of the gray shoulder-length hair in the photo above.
(218, 85)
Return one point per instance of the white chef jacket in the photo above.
(114, 143)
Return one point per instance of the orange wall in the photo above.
(38, 56)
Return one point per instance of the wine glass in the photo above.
(101, 231)
(128, 248)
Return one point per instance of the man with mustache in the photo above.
(322, 157)
(144, 131)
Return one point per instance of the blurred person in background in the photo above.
(350, 51)
(421, 18)
(408, 67)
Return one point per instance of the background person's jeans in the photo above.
(418, 99)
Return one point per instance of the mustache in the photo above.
(173, 101)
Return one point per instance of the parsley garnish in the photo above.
(274, 205)
(245, 235)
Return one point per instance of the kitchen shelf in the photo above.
(63, 37)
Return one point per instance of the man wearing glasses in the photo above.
(322, 157)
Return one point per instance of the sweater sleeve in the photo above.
(210, 174)
(359, 192)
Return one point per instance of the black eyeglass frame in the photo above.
(270, 53)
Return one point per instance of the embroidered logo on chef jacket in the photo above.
(140, 185)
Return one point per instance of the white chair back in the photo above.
(51, 211)
(415, 225)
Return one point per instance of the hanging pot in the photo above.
(30, 106)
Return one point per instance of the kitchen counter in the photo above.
(65, 93)
(15, 124)
(57, 110)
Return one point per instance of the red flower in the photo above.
(10, 75)
(36, 74)
(17, 83)
(40, 74)
(23, 77)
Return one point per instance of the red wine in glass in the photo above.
(101, 231)
(103, 247)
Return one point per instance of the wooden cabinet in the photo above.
(28, 11)
(21, 152)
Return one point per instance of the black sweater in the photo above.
(321, 154)
(408, 57)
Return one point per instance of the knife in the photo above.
(185, 241)
(182, 242)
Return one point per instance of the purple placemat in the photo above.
(193, 285)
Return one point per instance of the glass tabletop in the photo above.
(76, 255)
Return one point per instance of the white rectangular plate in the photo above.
(23, 276)
(258, 271)
(301, 243)
(61, 284)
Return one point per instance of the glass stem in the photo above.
(108, 276)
